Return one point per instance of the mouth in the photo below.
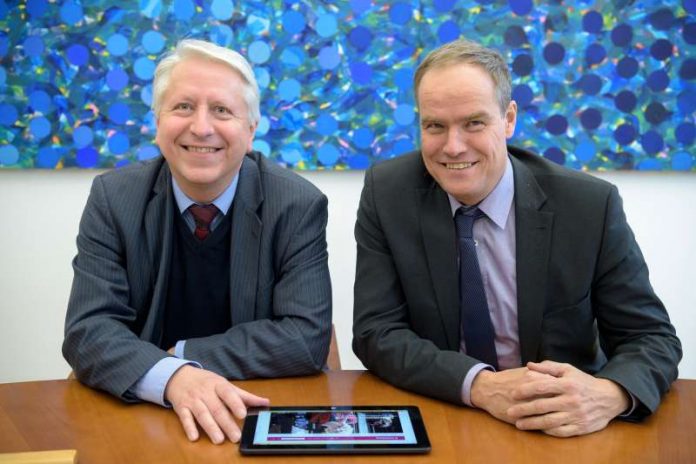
(460, 166)
(197, 149)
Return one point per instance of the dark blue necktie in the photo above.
(477, 328)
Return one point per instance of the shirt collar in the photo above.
(222, 202)
(497, 204)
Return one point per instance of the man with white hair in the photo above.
(206, 264)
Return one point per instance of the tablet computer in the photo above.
(334, 430)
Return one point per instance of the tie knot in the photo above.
(464, 219)
(203, 215)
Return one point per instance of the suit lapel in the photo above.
(533, 235)
(246, 241)
(437, 229)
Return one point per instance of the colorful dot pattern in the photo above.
(600, 85)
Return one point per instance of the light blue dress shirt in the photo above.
(151, 386)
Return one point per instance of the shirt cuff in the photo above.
(179, 349)
(634, 405)
(469, 381)
(151, 386)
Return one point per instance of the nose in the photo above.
(455, 144)
(201, 124)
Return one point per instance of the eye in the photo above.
(475, 125)
(433, 127)
(221, 110)
(183, 107)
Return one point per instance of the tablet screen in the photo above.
(374, 429)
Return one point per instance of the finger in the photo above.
(543, 387)
(224, 420)
(230, 395)
(188, 423)
(548, 367)
(564, 431)
(532, 409)
(543, 422)
(201, 411)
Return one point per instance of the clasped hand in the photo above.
(206, 398)
(556, 398)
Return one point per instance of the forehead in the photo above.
(199, 73)
(457, 86)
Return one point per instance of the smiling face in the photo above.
(203, 128)
(463, 134)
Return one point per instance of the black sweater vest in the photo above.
(198, 297)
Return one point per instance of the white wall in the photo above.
(40, 211)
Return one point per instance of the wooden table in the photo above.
(36, 416)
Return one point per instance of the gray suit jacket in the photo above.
(280, 287)
(583, 294)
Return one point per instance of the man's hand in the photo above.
(494, 391)
(206, 398)
(564, 401)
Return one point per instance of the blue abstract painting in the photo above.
(601, 85)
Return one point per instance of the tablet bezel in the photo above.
(422, 445)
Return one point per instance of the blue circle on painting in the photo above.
(662, 19)
(147, 152)
(293, 22)
(289, 90)
(554, 53)
(448, 31)
(87, 157)
(400, 13)
(625, 134)
(291, 153)
(649, 164)
(34, 46)
(40, 127)
(652, 142)
(259, 52)
(404, 115)
(591, 84)
(595, 54)
(8, 155)
(689, 33)
(682, 161)
(363, 137)
(329, 57)
(556, 155)
(117, 45)
(360, 37)
(71, 13)
(292, 57)
(593, 22)
(144, 68)
(658, 80)
(326, 25)
(326, 124)
(403, 78)
(83, 136)
(622, 35)
(557, 124)
(591, 118)
(263, 77)
(521, 7)
(661, 49)
(358, 161)
(119, 113)
(686, 102)
(523, 95)
(685, 133)
(47, 157)
(443, 6)
(522, 65)
(78, 54)
(627, 67)
(688, 69)
(402, 146)
(221, 35)
(262, 147)
(656, 113)
(150, 8)
(263, 126)
(222, 9)
(515, 36)
(153, 42)
(184, 9)
(146, 94)
(118, 143)
(361, 72)
(328, 154)
(626, 101)
(40, 101)
(36, 8)
(585, 151)
(116, 79)
(689, 6)
(360, 6)
(8, 114)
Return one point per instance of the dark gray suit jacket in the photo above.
(583, 294)
(280, 287)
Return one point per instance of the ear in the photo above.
(252, 132)
(510, 119)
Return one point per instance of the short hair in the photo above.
(210, 51)
(466, 51)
